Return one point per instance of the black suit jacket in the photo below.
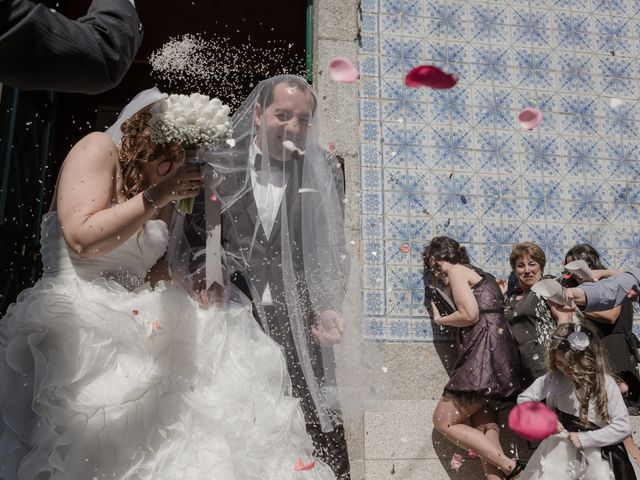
(43, 50)
(262, 253)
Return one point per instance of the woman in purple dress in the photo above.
(486, 370)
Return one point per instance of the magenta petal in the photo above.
(342, 70)
(533, 421)
(530, 118)
(429, 76)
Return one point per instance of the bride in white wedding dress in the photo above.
(104, 376)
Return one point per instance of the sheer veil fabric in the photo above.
(283, 205)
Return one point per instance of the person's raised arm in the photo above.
(609, 292)
(605, 316)
(44, 50)
(86, 189)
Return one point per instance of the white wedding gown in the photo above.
(101, 377)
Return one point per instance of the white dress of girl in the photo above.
(104, 378)
(556, 458)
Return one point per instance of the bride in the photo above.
(107, 368)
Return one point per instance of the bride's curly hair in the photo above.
(587, 368)
(137, 149)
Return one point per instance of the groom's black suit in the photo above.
(264, 257)
(43, 50)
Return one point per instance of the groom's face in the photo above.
(287, 117)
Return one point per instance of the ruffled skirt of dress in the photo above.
(97, 382)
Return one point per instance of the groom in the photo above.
(283, 237)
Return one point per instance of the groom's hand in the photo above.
(329, 328)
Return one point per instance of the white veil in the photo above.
(288, 252)
(140, 101)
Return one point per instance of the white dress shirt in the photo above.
(268, 190)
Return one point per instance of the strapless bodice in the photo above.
(128, 264)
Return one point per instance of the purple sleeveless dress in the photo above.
(488, 364)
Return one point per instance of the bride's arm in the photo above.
(86, 188)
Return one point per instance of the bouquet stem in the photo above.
(185, 206)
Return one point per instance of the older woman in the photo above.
(532, 320)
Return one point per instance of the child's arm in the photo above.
(537, 391)
(618, 428)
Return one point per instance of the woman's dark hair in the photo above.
(584, 251)
(447, 249)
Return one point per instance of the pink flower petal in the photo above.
(300, 466)
(332, 146)
(429, 76)
(473, 455)
(405, 247)
(631, 293)
(157, 325)
(456, 461)
(213, 198)
(342, 70)
(533, 421)
(135, 311)
(530, 118)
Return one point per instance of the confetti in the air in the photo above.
(216, 66)
(429, 76)
(292, 147)
(342, 70)
(616, 102)
(456, 461)
(300, 466)
(530, 118)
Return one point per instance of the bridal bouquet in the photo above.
(194, 121)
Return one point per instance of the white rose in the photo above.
(578, 341)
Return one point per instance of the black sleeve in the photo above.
(43, 50)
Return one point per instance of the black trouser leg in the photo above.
(331, 448)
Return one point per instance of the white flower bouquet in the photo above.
(194, 121)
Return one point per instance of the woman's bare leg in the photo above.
(485, 421)
(449, 417)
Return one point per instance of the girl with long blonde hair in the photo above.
(592, 417)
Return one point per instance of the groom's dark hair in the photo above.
(265, 97)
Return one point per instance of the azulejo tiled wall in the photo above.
(456, 162)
